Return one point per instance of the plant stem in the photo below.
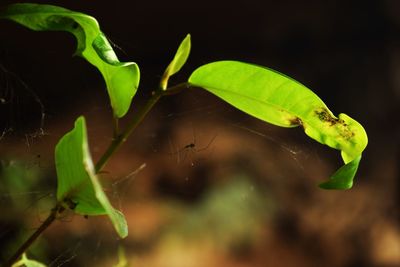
(138, 117)
(50, 219)
(115, 144)
(176, 89)
(121, 138)
(116, 127)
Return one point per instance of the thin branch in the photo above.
(137, 118)
(121, 138)
(50, 219)
(176, 89)
(114, 145)
(116, 127)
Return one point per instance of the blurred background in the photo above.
(246, 194)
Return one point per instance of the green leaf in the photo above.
(24, 261)
(343, 178)
(177, 63)
(275, 98)
(78, 186)
(122, 78)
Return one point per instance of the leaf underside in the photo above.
(122, 78)
(277, 99)
(78, 186)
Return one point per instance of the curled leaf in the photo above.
(275, 98)
(122, 78)
(78, 186)
(177, 62)
(343, 178)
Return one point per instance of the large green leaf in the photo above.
(78, 187)
(280, 100)
(122, 78)
(177, 62)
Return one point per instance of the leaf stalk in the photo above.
(50, 219)
(118, 140)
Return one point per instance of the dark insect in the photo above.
(190, 149)
(71, 204)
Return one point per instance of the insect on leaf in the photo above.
(177, 63)
(78, 186)
(122, 78)
(275, 98)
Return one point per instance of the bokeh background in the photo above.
(247, 194)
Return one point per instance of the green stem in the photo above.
(121, 138)
(115, 144)
(116, 127)
(176, 89)
(50, 219)
(138, 117)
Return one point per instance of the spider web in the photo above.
(120, 187)
(209, 110)
(194, 141)
(15, 95)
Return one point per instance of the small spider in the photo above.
(190, 149)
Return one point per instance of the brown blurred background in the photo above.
(247, 194)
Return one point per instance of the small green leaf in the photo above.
(122, 78)
(24, 261)
(177, 63)
(78, 187)
(282, 101)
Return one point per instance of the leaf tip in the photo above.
(343, 178)
(120, 224)
(334, 185)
